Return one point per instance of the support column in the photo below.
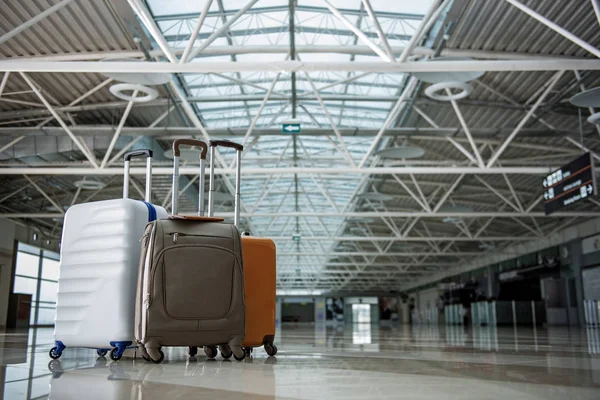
(576, 258)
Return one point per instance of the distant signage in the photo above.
(570, 184)
(290, 128)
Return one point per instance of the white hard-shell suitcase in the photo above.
(100, 252)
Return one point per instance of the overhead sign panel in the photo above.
(290, 128)
(570, 184)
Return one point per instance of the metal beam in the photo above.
(360, 34)
(259, 171)
(26, 25)
(596, 6)
(197, 27)
(370, 214)
(43, 193)
(32, 65)
(561, 31)
(4, 81)
(197, 50)
(394, 112)
(284, 49)
(382, 36)
(430, 17)
(524, 120)
(118, 130)
(60, 121)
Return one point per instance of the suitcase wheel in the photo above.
(226, 352)
(271, 349)
(210, 351)
(54, 354)
(247, 350)
(116, 354)
(192, 351)
(101, 352)
(162, 357)
(240, 358)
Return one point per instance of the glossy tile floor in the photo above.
(321, 362)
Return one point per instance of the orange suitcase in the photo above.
(259, 256)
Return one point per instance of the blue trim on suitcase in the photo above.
(151, 212)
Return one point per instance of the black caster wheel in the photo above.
(114, 354)
(247, 351)
(192, 351)
(271, 349)
(226, 352)
(146, 358)
(162, 357)
(210, 351)
(101, 352)
(54, 354)
(240, 358)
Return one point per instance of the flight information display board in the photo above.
(570, 184)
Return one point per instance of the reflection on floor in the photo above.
(360, 361)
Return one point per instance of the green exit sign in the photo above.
(290, 128)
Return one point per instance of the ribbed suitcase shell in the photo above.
(260, 284)
(100, 252)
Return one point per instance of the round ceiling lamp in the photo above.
(89, 185)
(401, 152)
(439, 91)
(587, 98)
(594, 119)
(120, 88)
(136, 78)
(377, 196)
(448, 76)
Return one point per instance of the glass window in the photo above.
(27, 264)
(50, 269)
(46, 315)
(48, 291)
(26, 285)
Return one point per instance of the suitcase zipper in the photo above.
(146, 278)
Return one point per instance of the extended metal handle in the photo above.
(127, 158)
(190, 142)
(175, 190)
(239, 148)
(226, 143)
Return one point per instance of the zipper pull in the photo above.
(175, 236)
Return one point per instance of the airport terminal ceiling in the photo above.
(349, 80)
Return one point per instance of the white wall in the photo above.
(7, 238)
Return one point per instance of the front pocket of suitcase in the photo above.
(198, 282)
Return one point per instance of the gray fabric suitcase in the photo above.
(191, 279)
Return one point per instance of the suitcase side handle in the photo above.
(239, 148)
(127, 159)
(175, 189)
(190, 142)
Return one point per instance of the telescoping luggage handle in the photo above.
(176, 153)
(239, 148)
(127, 158)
